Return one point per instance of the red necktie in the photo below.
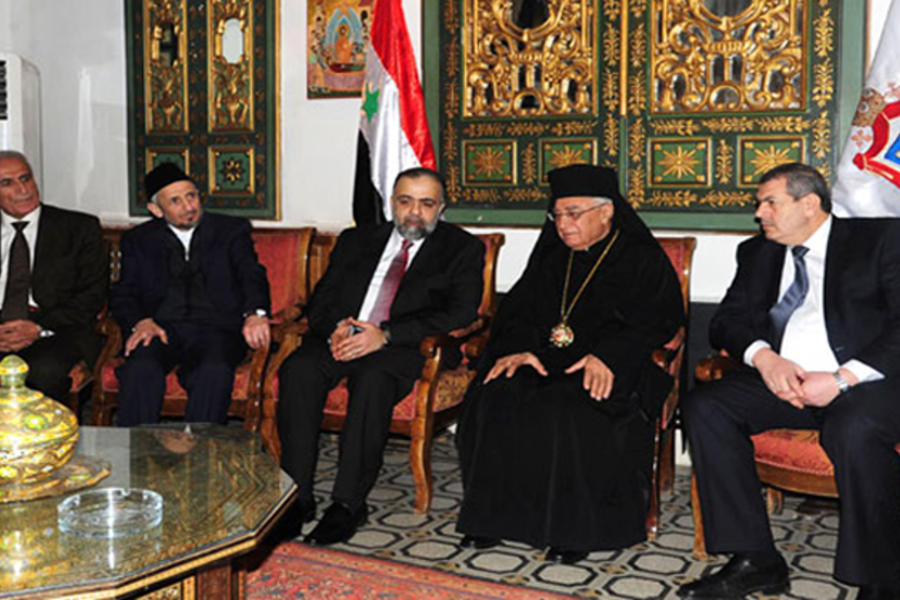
(382, 309)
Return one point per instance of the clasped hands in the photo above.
(353, 339)
(256, 332)
(18, 334)
(796, 386)
(598, 378)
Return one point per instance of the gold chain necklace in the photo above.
(561, 335)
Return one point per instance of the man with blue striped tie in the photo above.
(814, 315)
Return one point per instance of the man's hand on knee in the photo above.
(368, 339)
(18, 334)
(256, 331)
(783, 377)
(143, 333)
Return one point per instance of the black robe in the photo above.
(542, 462)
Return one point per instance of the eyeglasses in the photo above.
(569, 214)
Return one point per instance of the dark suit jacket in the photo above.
(235, 281)
(70, 276)
(861, 294)
(440, 291)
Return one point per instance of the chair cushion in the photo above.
(240, 391)
(277, 252)
(451, 387)
(793, 449)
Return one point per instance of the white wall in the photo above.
(79, 47)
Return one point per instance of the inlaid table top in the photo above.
(220, 493)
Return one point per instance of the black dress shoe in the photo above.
(338, 524)
(878, 592)
(740, 576)
(564, 557)
(290, 525)
(478, 542)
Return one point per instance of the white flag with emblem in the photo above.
(868, 176)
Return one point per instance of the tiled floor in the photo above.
(648, 570)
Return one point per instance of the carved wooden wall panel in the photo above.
(202, 81)
(691, 100)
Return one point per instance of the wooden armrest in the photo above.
(290, 313)
(289, 331)
(664, 356)
(106, 325)
(453, 339)
(712, 368)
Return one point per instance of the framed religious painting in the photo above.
(337, 39)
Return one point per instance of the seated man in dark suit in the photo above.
(814, 315)
(386, 288)
(54, 276)
(193, 294)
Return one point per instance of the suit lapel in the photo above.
(838, 245)
(773, 263)
(372, 246)
(48, 238)
(419, 264)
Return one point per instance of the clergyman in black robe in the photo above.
(555, 436)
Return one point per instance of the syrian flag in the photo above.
(868, 175)
(393, 130)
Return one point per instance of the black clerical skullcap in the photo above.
(583, 180)
(164, 174)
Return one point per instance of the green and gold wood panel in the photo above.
(202, 93)
(691, 100)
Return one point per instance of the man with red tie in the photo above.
(386, 288)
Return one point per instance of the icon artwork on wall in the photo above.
(337, 41)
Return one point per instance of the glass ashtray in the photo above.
(110, 512)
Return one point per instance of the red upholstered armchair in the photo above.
(680, 251)
(786, 459)
(285, 254)
(434, 399)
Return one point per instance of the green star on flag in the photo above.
(370, 105)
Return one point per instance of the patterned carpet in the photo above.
(806, 534)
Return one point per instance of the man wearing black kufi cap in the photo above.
(191, 293)
(556, 433)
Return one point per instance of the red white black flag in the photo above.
(393, 129)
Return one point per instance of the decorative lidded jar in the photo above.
(37, 433)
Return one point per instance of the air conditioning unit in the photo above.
(20, 109)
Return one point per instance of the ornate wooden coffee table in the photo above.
(221, 495)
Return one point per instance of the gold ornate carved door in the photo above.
(202, 94)
(690, 99)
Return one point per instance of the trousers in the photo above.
(858, 431)
(375, 383)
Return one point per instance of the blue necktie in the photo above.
(793, 297)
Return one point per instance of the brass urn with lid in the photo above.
(37, 433)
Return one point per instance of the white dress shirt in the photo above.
(7, 233)
(805, 339)
(393, 246)
(184, 236)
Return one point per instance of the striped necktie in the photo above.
(793, 297)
